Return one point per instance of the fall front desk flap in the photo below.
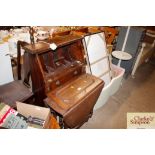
(66, 96)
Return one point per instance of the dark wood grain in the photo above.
(42, 47)
(55, 72)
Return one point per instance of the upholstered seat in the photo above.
(14, 91)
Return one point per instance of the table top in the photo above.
(121, 55)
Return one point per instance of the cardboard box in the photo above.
(34, 111)
(11, 119)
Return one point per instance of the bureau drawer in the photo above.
(54, 82)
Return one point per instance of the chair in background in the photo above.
(146, 51)
(12, 91)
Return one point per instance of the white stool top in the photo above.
(121, 55)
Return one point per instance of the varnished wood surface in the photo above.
(55, 73)
(87, 31)
(64, 40)
(80, 32)
(36, 48)
(73, 92)
(14, 91)
(44, 46)
(46, 75)
(59, 40)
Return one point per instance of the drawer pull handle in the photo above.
(50, 80)
(75, 72)
(57, 82)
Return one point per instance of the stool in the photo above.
(121, 56)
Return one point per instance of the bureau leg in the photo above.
(91, 113)
(61, 123)
(26, 69)
(54, 113)
(65, 127)
(58, 118)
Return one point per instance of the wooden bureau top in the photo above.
(44, 46)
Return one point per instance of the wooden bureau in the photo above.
(59, 78)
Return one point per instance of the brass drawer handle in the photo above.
(50, 80)
(75, 72)
(57, 82)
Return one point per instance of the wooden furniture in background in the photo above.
(10, 90)
(110, 36)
